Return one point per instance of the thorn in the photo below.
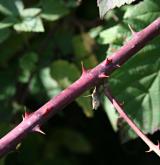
(83, 68)
(108, 61)
(131, 29)
(38, 129)
(103, 75)
(121, 104)
(26, 115)
(117, 66)
(150, 150)
(87, 96)
(18, 146)
(46, 111)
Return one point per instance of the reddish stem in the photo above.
(152, 147)
(87, 80)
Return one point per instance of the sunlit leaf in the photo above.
(137, 82)
(106, 5)
(30, 24)
(30, 12)
(140, 15)
(115, 34)
(51, 86)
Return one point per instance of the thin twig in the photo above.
(152, 147)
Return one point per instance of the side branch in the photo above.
(152, 147)
(88, 79)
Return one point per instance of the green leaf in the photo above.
(85, 104)
(106, 5)
(7, 22)
(27, 64)
(143, 9)
(83, 48)
(53, 9)
(7, 86)
(137, 84)
(28, 61)
(4, 34)
(51, 86)
(62, 35)
(8, 7)
(10, 47)
(37, 87)
(65, 73)
(30, 12)
(142, 14)
(94, 32)
(111, 112)
(20, 6)
(115, 34)
(30, 24)
(2, 161)
(30, 20)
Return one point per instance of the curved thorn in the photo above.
(18, 146)
(118, 66)
(83, 68)
(150, 150)
(108, 61)
(37, 129)
(26, 115)
(46, 111)
(103, 75)
(121, 104)
(88, 96)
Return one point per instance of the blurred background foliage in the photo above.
(42, 44)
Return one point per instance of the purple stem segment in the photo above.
(87, 80)
(152, 147)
